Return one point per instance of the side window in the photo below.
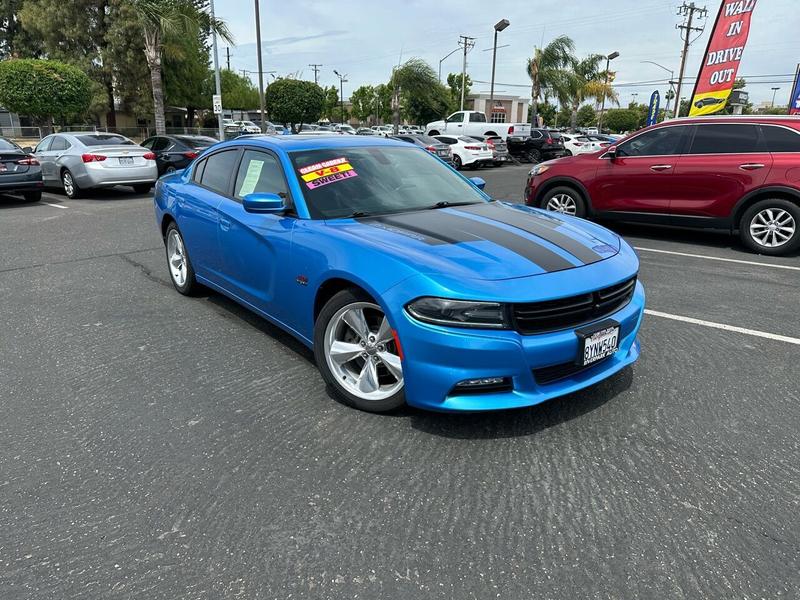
(725, 139)
(456, 118)
(159, 144)
(658, 142)
(477, 118)
(44, 145)
(148, 143)
(781, 139)
(447, 140)
(217, 172)
(260, 172)
(536, 134)
(197, 173)
(59, 143)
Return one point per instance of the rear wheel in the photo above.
(169, 170)
(142, 188)
(533, 156)
(71, 188)
(771, 227)
(357, 354)
(567, 153)
(32, 196)
(565, 200)
(457, 162)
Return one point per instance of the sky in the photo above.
(364, 39)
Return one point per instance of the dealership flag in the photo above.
(794, 102)
(722, 57)
(652, 112)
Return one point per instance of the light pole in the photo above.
(498, 27)
(260, 68)
(217, 83)
(609, 58)
(774, 91)
(342, 81)
(445, 58)
(671, 83)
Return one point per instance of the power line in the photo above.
(316, 67)
(468, 43)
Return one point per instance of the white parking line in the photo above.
(753, 332)
(730, 260)
(55, 205)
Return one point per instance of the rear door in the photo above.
(42, 154)
(255, 248)
(639, 179)
(724, 161)
(783, 144)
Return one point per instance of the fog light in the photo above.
(483, 385)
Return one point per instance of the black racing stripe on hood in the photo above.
(536, 225)
(442, 227)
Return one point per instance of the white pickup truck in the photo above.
(470, 122)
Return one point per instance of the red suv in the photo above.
(732, 173)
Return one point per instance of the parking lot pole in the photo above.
(260, 67)
(217, 82)
(498, 27)
(609, 58)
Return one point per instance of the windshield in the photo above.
(104, 139)
(377, 180)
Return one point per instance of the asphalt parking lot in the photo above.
(154, 446)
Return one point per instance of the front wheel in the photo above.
(564, 200)
(181, 271)
(357, 353)
(771, 227)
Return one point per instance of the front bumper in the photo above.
(437, 358)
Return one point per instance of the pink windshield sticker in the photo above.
(332, 178)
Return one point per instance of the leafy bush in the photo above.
(294, 102)
(44, 88)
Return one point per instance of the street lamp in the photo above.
(774, 91)
(217, 84)
(445, 58)
(260, 67)
(498, 27)
(342, 81)
(671, 84)
(609, 58)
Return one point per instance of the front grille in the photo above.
(566, 313)
(554, 373)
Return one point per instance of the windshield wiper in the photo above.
(446, 204)
(358, 214)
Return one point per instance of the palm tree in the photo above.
(547, 70)
(588, 81)
(414, 78)
(162, 19)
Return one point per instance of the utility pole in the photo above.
(774, 91)
(342, 81)
(217, 82)
(260, 67)
(467, 43)
(688, 11)
(228, 57)
(316, 67)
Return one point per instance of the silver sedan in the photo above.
(81, 161)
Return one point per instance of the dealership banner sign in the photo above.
(652, 111)
(794, 101)
(722, 57)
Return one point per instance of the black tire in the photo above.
(565, 191)
(434, 132)
(189, 287)
(70, 186)
(457, 162)
(567, 153)
(32, 196)
(142, 188)
(169, 170)
(331, 308)
(533, 156)
(778, 206)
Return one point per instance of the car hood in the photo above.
(489, 241)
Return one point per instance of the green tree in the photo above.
(331, 109)
(383, 102)
(548, 70)
(163, 19)
(454, 83)
(44, 88)
(363, 103)
(15, 41)
(186, 74)
(586, 81)
(238, 92)
(436, 104)
(413, 79)
(621, 119)
(293, 102)
(547, 112)
(586, 116)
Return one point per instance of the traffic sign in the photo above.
(216, 100)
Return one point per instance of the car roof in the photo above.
(293, 143)
(794, 119)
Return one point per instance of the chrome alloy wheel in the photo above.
(772, 227)
(361, 352)
(176, 254)
(69, 184)
(562, 203)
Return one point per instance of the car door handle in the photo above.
(659, 168)
(751, 166)
(224, 224)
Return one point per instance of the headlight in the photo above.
(538, 170)
(459, 313)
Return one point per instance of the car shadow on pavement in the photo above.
(523, 421)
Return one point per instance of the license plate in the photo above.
(597, 342)
(126, 160)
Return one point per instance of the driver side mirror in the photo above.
(478, 182)
(263, 203)
(611, 152)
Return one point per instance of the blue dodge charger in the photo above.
(409, 283)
